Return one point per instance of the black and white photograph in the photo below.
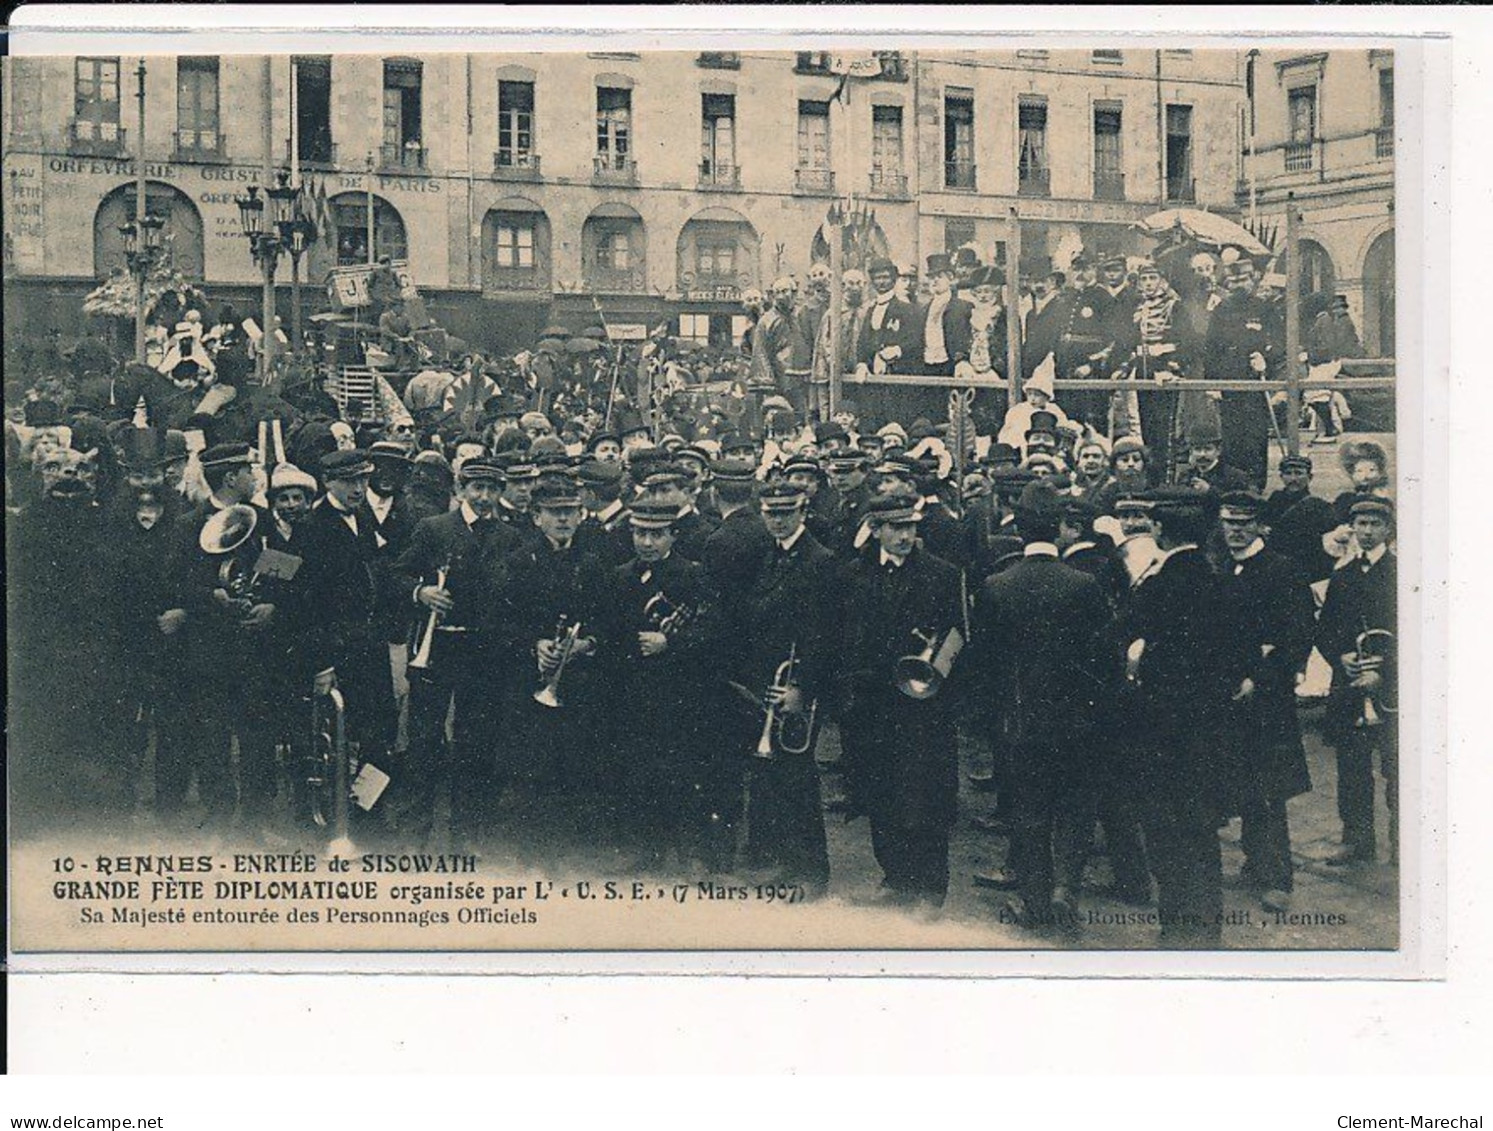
(930, 497)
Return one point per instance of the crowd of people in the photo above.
(598, 613)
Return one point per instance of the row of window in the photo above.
(1033, 163)
(97, 115)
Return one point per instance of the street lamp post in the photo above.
(142, 251)
(295, 237)
(266, 237)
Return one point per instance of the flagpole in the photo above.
(298, 344)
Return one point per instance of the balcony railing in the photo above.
(408, 156)
(888, 182)
(718, 176)
(1384, 142)
(97, 139)
(1034, 182)
(1181, 192)
(720, 60)
(519, 279)
(199, 145)
(959, 174)
(515, 165)
(1299, 156)
(616, 280)
(814, 180)
(315, 153)
(614, 168)
(1109, 186)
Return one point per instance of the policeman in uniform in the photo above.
(1296, 520)
(903, 770)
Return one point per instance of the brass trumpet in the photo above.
(667, 617)
(1374, 647)
(565, 639)
(775, 723)
(425, 643)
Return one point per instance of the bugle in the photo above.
(565, 640)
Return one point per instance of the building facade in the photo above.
(525, 189)
(1323, 134)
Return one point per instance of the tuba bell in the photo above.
(226, 534)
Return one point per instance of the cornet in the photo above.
(420, 661)
(667, 617)
(549, 694)
(919, 676)
(1373, 647)
(775, 723)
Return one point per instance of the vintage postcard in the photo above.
(929, 497)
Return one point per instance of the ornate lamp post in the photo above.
(295, 236)
(142, 251)
(261, 221)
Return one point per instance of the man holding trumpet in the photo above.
(557, 589)
(785, 648)
(449, 571)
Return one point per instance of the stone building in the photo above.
(524, 189)
(1323, 131)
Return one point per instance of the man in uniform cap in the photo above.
(1296, 520)
(661, 630)
(342, 586)
(1271, 610)
(1361, 599)
(1176, 633)
(735, 549)
(604, 530)
(605, 446)
(1245, 342)
(519, 477)
(1037, 666)
(449, 575)
(902, 766)
(560, 759)
(230, 659)
(790, 609)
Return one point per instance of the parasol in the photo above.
(551, 345)
(598, 333)
(1202, 227)
(554, 332)
(582, 345)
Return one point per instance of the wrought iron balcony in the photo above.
(316, 151)
(1109, 186)
(720, 60)
(515, 165)
(1299, 156)
(96, 139)
(888, 182)
(959, 174)
(616, 280)
(199, 145)
(408, 157)
(715, 175)
(818, 181)
(1034, 182)
(615, 168)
